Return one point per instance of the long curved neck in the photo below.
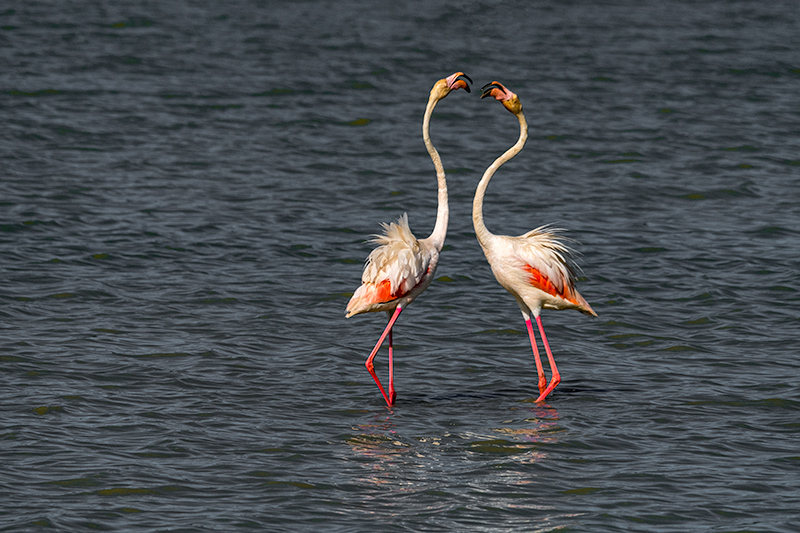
(443, 213)
(482, 233)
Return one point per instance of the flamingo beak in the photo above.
(458, 81)
(489, 88)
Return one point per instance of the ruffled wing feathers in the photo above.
(392, 269)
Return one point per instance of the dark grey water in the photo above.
(185, 192)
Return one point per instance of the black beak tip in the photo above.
(466, 85)
(487, 89)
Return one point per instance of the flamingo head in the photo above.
(499, 92)
(457, 80)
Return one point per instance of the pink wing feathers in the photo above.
(392, 269)
(544, 260)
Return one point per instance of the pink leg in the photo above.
(539, 369)
(392, 394)
(371, 367)
(556, 379)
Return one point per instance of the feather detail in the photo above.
(392, 269)
(543, 250)
(538, 280)
(547, 265)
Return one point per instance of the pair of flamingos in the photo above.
(533, 267)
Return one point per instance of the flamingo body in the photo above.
(396, 272)
(533, 267)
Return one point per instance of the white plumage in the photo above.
(400, 259)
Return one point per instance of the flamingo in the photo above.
(402, 266)
(533, 267)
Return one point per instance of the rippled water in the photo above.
(186, 192)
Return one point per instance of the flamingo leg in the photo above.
(392, 394)
(556, 378)
(539, 369)
(371, 367)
